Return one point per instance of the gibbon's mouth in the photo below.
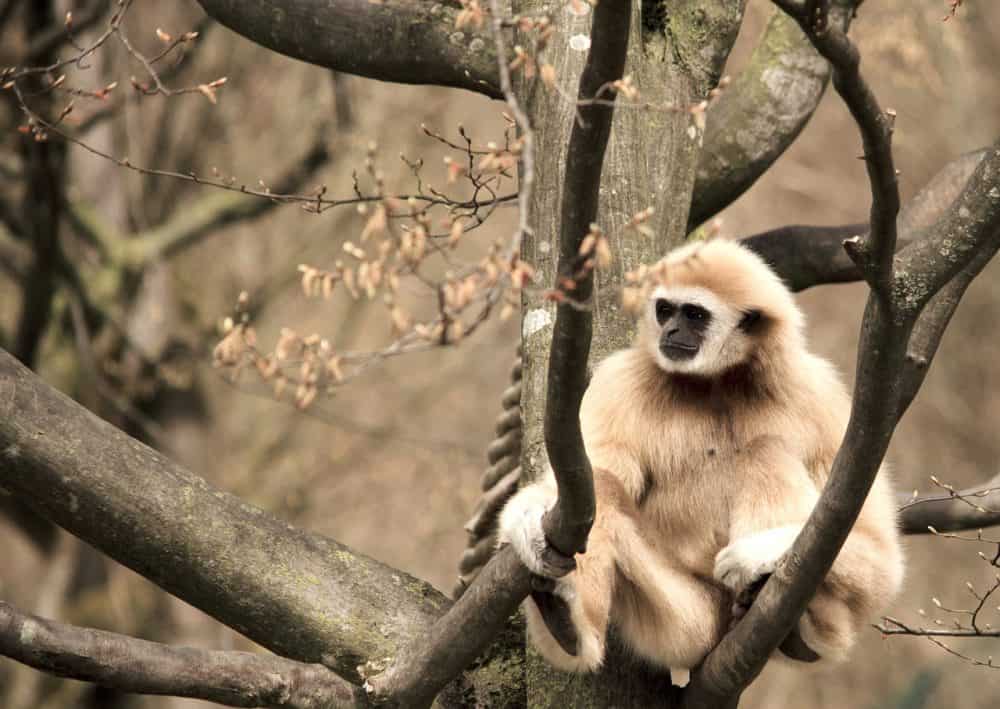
(678, 350)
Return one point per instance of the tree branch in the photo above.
(407, 41)
(45, 176)
(59, 32)
(761, 113)
(216, 210)
(483, 609)
(972, 508)
(239, 679)
(568, 523)
(966, 233)
(806, 256)
(301, 595)
(741, 655)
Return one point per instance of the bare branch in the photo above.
(302, 595)
(807, 256)
(761, 113)
(462, 634)
(219, 209)
(968, 230)
(897, 627)
(483, 609)
(963, 240)
(568, 523)
(972, 508)
(44, 165)
(60, 33)
(239, 679)
(742, 653)
(408, 41)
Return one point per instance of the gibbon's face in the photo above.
(695, 332)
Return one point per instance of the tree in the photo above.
(328, 609)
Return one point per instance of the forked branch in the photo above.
(238, 679)
(893, 309)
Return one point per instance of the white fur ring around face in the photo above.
(748, 558)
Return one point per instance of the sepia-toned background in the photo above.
(390, 464)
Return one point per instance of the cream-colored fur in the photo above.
(705, 470)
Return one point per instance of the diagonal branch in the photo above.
(757, 118)
(407, 41)
(568, 523)
(973, 508)
(807, 256)
(219, 209)
(885, 331)
(239, 679)
(301, 595)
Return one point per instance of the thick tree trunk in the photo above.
(676, 52)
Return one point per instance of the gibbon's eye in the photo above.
(694, 312)
(664, 309)
(749, 320)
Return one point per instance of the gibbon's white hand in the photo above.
(748, 559)
(521, 527)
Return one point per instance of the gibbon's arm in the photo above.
(772, 505)
(771, 501)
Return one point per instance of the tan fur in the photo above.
(704, 477)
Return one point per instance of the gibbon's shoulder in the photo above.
(624, 369)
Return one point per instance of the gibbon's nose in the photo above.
(673, 331)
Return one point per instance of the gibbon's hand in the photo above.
(521, 527)
(747, 560)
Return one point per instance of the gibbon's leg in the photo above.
(866, 575)
(673, 619)
(568, 624)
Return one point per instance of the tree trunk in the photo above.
(676, 53)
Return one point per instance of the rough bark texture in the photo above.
(239, 679)
(759, 116)
(301, 595)
(408, 41)
(675, 57)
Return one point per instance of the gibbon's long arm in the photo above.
(762, 530)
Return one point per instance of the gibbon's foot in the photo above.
(745, 598)
(793, 646)
(556, 614)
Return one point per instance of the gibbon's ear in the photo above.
(751, 321)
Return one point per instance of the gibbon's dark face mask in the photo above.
(682, 328)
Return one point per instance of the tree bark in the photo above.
(301, 595)
(408, 41)
(675, 58)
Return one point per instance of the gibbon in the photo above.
(710, 439)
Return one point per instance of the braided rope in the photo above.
(499, 483)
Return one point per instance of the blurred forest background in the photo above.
(390, 464)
